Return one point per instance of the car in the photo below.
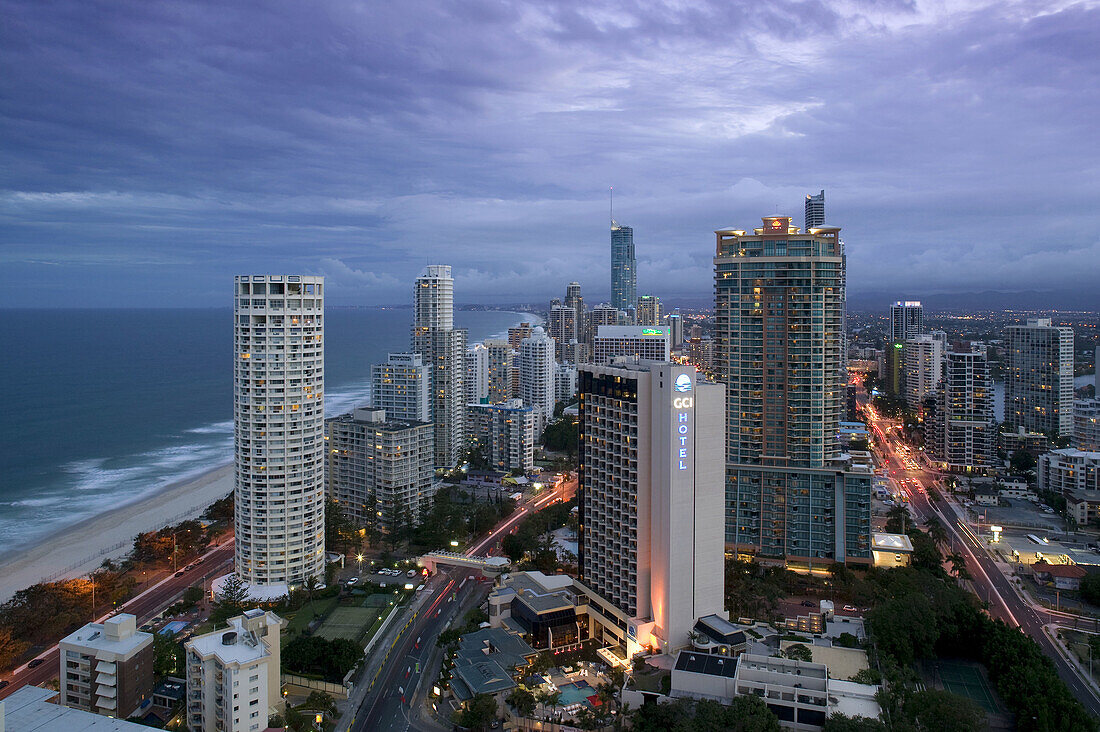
(411, 573)
(809, 603)
(36, 663)
(352, 581)
(850, 608)
(3, 684)
(179, 573)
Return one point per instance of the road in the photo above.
(145, 606)
(988, 582)
(397, 698)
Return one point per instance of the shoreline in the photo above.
(110, 534)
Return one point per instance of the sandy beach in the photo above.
(80, 548)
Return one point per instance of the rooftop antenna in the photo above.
(611, 192)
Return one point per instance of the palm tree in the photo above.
(900, 514)
(310, 585)
(958, 565)
(936, 531)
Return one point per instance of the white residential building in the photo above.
(107, 667)
(442, 347)
(649, 310)
(507, 431)
(501, 360)
(400, 386)
(963, 426)
(279, 420)
(651, 497)
(233, 679)
(1039, 377)
(536, 375)
(640, 343)
(380, 470)
(906, 320)
(923, 368)
(565, 382)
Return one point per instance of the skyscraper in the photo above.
(778, 307)
(536, 375)
(442, 347)
(400, 386)
(906, 320)
(963, 427)
(1039, 377)
(624, 275)
(279, 421)
(650, 503)
(649, 310)
(501, 365)
(676, 330)
(562, 322)
(815, 210)
(476, 379)
(573, 299)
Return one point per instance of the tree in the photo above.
(522, 701)
(319, 701)
(232, 600)
(842, 723)
(936, 531)
(958, 565)
(339, 529)
(897, 520)
(479, 712)
(933, 709)
(1090, 588)
(11, 648)
(167, 655)
(1021, 462)
(550, 699)
(798, 652)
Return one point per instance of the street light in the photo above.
(359, 559)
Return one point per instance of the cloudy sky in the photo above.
(152, 150)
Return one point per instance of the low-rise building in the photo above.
(107, 667)
(1018, 487)
(1083, 506)
(1069, 469)
(542, 608)
(800, 693)
(984, 496)
(29, 709)
(487, 662)
(1035, 443)
(233, 677)
(1059, 576)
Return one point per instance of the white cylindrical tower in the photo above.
(279, 424)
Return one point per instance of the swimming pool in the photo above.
(575, 693)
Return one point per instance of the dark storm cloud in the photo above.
(152, 150)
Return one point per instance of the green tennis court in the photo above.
(347, 622)
(966, 680)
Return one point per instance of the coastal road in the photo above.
(988, 582)
(145, 606)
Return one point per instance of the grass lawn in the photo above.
(302, 618)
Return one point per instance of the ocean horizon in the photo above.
(107, 406)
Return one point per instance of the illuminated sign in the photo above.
(683, 383)
(653, 331)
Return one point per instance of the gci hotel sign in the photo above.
(682, 403)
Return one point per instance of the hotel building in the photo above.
(649, 343)
(779, 304)
(279, 421)
(650, 503)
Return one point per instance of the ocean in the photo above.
(107, 406)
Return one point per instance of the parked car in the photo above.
(850, 608)
(411, 573)
(36, 663)
(352, 581)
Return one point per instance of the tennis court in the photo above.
(347, 622)
(965, 679)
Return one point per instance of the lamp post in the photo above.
(359, 559)
(174, 533)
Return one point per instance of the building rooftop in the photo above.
(720, 630)
(480, 677)
(234, 644)
(117, 634)
(376, 418)
(507, 649)
(541, 592)
(1071, 571)
(29, 710)
(891, 543)
(706, 663)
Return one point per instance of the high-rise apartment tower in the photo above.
(906, 320)
(279, 421)
(815, 210)
(442, 347)
(624, 274)
(1039, 377)
(778, 312)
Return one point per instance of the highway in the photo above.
(397, 695)
(988, 582)
(145, 605)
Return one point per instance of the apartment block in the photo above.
(1039, 377)
(233, 679)
(107, 667)
(634, 342)
(400, 386)
(380, 470)
(963, 426)
(507, 433)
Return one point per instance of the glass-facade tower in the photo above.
(779, 305)
(624, 274)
